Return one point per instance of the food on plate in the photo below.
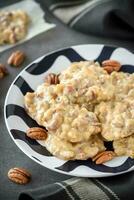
(124, 146)
(116, 118)
(69, 122)
(13, 26)
(86, 82)
(74, 151)
(83, 107)
(52, 78)
(111, 65)
(37, 133)
(103, 157)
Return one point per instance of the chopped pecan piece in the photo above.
(52, 79)
(103, 157)
(111, 65)
(37, 133)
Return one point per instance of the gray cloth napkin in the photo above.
(109, 18)
(111, 188)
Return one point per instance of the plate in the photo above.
(17, 120)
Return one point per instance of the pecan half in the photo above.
(19, 175)
(103, 157)
(52, 79)
(37, 133)
(111, 65)
(3, 71)
(16, 58)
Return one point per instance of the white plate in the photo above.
(18, 121)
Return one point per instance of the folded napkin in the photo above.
(111, 188)
(112, 18)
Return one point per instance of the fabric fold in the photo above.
(109, 188)
(108, 18)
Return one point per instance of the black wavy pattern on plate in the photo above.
(23, 85)
(127, 68)
(17, 134)
(12, 109)
(71, 165)
(47, 61)
(36, 159)
(105, 53)
(71, 54)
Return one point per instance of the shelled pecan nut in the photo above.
(16, 58)
(52, 78)
(111, 65)
(19, 175)
(103, 157)
(37, 133)
(3, 71)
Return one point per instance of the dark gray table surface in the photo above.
(10, 154)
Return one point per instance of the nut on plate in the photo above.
(103, 157)
(19, 175)
(16, 58)
(37, 133)
(3, 71)
(111, 65)
(52, 79)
